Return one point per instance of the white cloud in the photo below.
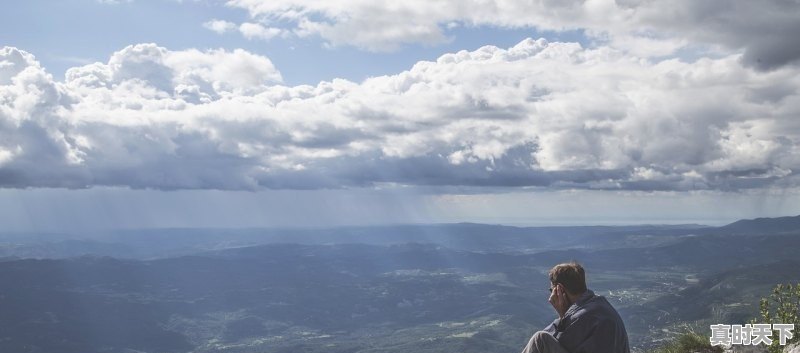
(220, 26)
(765, 30)
(191, 74)
(538, 114)
(248, 29)
(257, 31)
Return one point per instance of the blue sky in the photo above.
(363, 112)
(67, 33)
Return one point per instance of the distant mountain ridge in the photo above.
(388, 289)
(137, 244)
(763, 225)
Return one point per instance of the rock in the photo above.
(792, 348)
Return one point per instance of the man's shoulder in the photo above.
(598, 307)
(597, 301)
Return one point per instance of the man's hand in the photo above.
(559, 300)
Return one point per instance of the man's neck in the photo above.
(573, 298)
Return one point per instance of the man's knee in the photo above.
(543, 342)
(543, 336)
(537, 342)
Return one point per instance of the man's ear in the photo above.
(566, 294)
(564, 290)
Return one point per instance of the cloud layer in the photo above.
(540, 114)
(764, 30)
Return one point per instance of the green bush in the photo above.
(781, 307)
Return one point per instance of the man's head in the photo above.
(571, 276)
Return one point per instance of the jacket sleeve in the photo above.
(589, 335)
(553, 327)
(579, 335)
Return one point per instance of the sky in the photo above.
(250, 113)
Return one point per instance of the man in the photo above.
(586, 322)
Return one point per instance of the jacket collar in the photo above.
(585, 297)
(588, 294)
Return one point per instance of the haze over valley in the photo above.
(420, 288)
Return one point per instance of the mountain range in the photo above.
(420, 288)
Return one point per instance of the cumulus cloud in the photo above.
(538, 114)
(763, 30)
(191, 74)
(248, 29)
(220, 26)
(257, 31)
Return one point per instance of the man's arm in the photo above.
(588, 334)
(577, 332)
(553, 327)
(559, 300)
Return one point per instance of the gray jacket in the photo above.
(591, 325)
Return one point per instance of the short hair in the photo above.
(571, 275)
